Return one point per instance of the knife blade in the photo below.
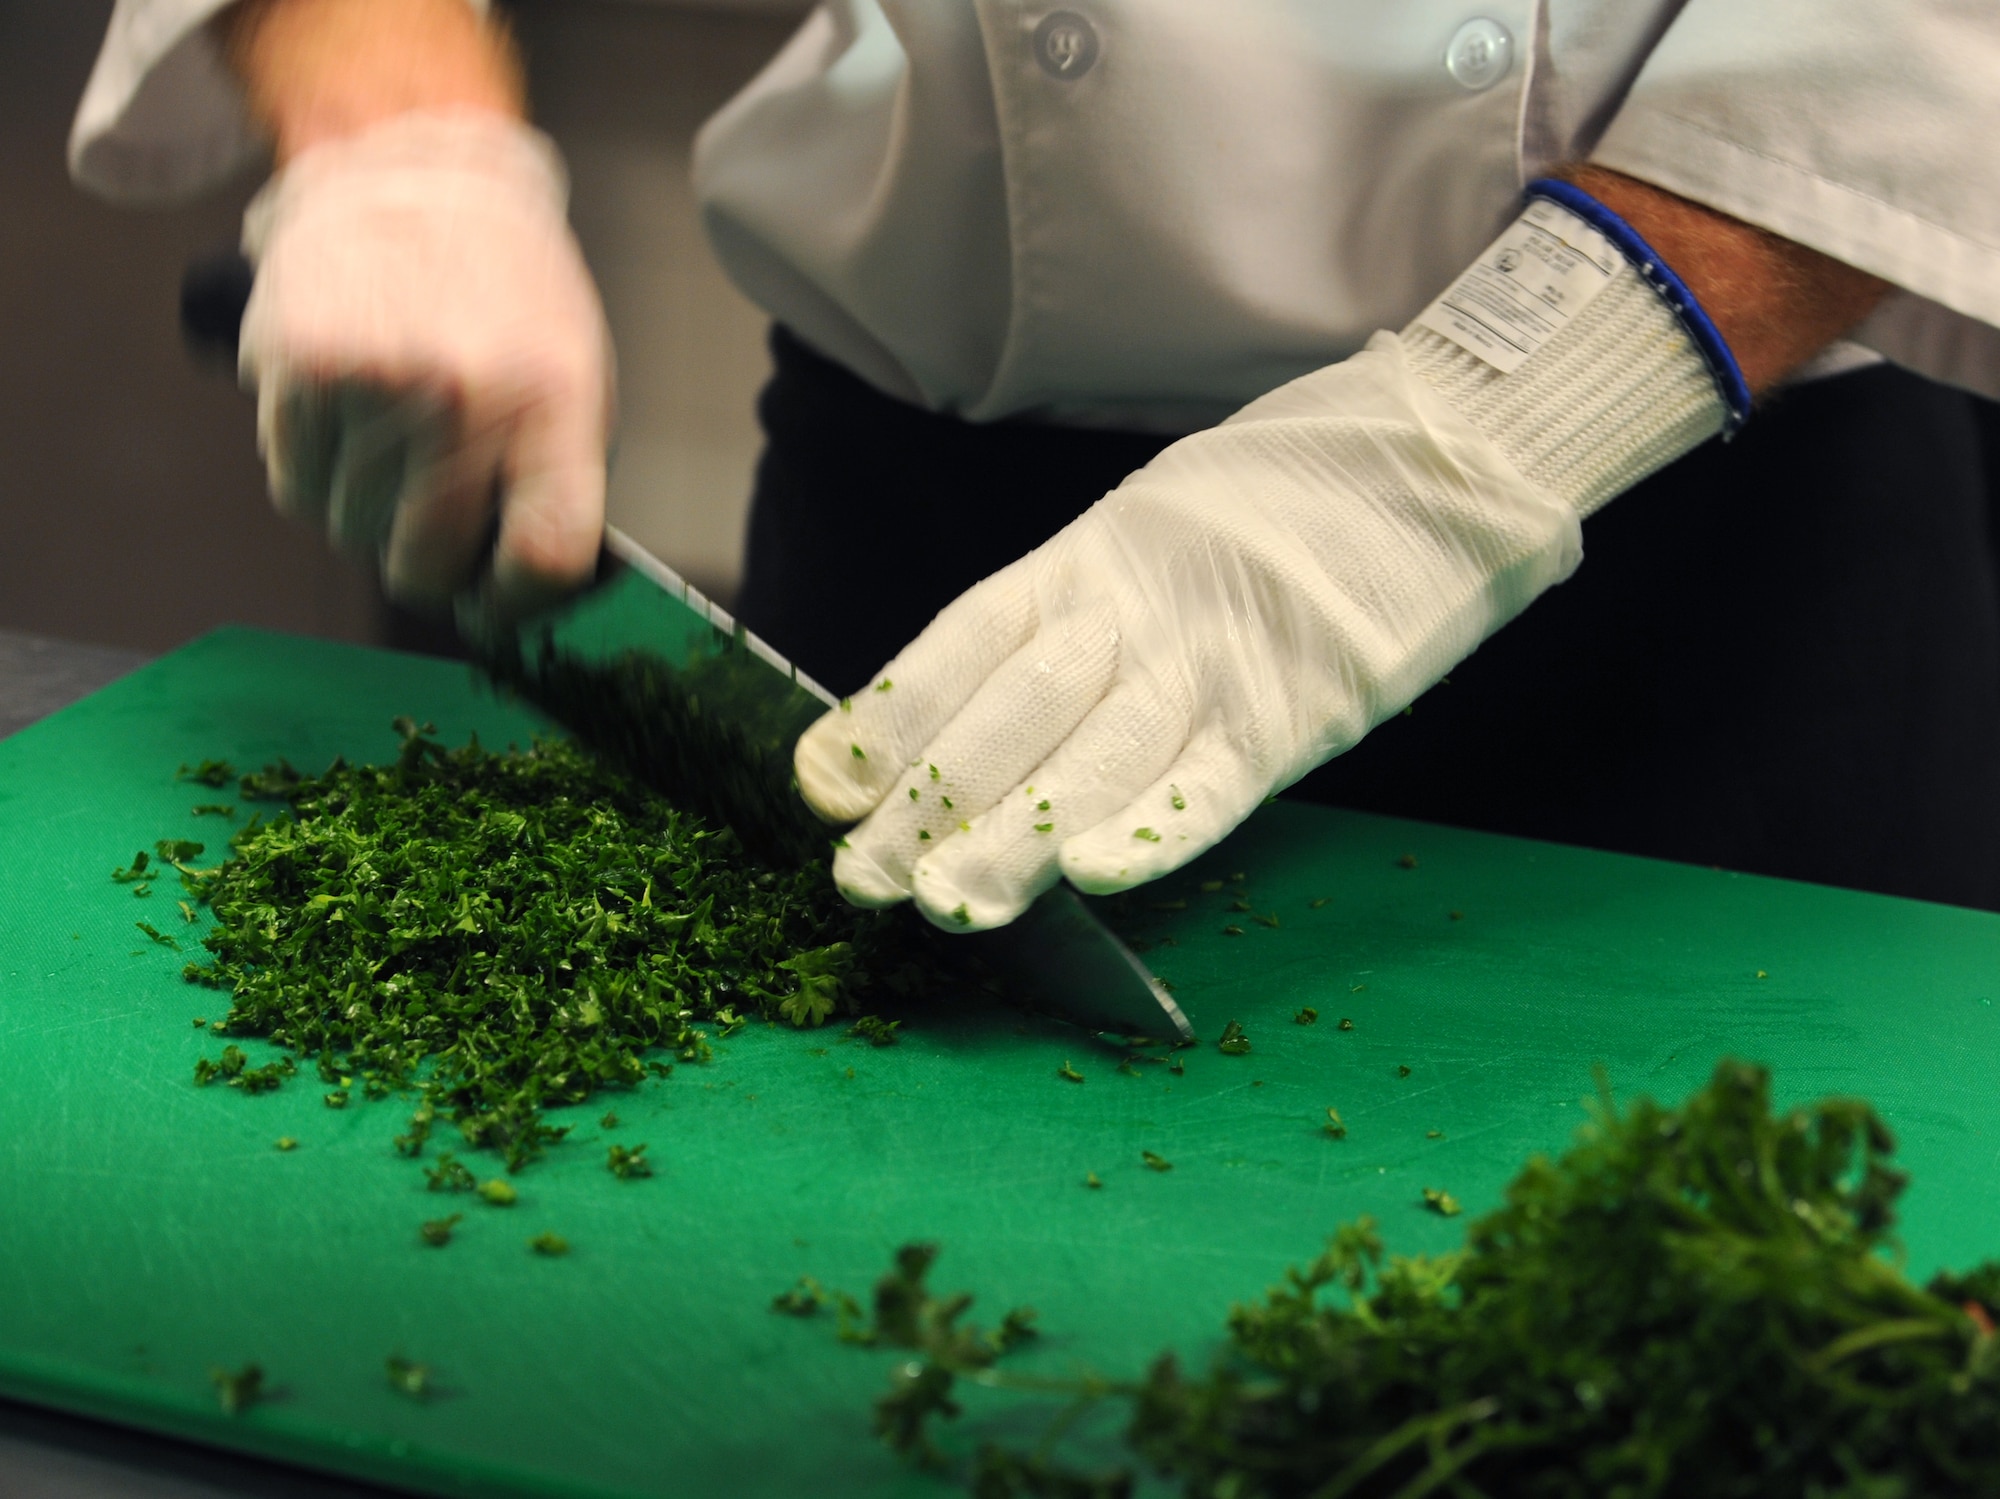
(647, 670)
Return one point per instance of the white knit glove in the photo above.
(1250, 603)
(430, 357)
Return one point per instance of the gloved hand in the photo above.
(1243, 608)
(432, 366)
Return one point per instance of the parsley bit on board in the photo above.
(407, 1377)
(207, 773)
(803, 1300)
(157, 935)
(628, 1165)
(237, 1390)
(875, 1030)
(450, 1175)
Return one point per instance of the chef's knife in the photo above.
(648, 671)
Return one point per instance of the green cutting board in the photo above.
(150, 1230)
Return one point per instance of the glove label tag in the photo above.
(1534, 278)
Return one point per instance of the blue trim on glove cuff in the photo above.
(1708, 340)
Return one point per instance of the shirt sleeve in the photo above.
(1859, 128)
(163, 118)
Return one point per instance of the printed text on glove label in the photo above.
(1533, 279)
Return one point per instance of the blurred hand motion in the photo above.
(433, 372)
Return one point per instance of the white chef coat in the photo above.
(1144, 213)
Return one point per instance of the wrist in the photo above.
(320, 70)
(1776, 303)
(1579, 352)
(415, 158)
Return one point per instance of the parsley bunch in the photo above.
(502, 933)
(1692, 1301)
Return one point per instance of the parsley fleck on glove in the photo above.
(1259, 596)
(432, 366)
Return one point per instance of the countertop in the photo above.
(39, 675)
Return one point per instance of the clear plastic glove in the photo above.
(432, 367)
(1246, 606)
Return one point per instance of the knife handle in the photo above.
(215, 288)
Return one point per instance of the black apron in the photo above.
(1780, 655)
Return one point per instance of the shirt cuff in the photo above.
(1938, 262)
(1942, 322)
(163, 118)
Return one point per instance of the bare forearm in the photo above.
(318, 69)
(1776, 303)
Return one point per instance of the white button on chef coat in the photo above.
(1144, 213)
(1479, 54)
